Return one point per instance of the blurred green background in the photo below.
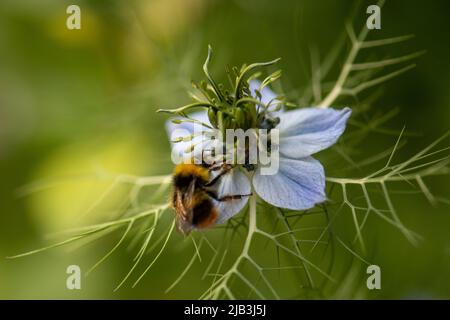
(73, 102)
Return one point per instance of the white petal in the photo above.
(298, 185)
(306, 131)
(234, 182)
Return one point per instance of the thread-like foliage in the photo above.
(263, 243)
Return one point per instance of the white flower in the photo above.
(299, 183)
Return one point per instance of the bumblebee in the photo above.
(193, 194)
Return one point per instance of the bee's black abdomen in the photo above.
(202, 210)
(204, 214)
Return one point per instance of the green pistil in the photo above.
(233, 108)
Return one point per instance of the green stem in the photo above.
(187, 107)
(252, 100)
(210, 79)
(246, 70)
(252, 229)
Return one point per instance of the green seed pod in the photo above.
(251, 115)
(227, 122)
(233, 124)
(239, 115)
(212, 115)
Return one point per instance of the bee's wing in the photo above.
(183, 208)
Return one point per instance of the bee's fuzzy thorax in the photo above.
(186, 170)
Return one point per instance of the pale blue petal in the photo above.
(204, 147)
(187, 128)
(183, 147)
(306, 131)
(298, 185)
(234, 182)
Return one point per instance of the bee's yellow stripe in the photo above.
(192, 169)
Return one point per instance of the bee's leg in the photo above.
(227, 197)
(204, 163)
(213, 166)
(233, 197)
(225, 170)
